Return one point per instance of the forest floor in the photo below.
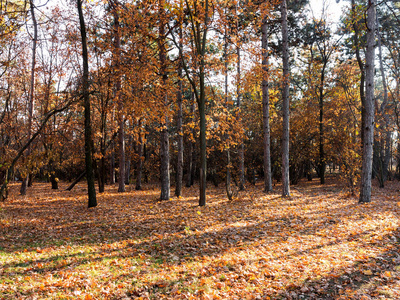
(317, 244)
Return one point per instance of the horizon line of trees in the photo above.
(180, 91)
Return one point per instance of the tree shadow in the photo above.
(370, 277)
(141, 232)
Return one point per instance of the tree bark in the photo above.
(265, 103)
(239, 95)
(102, 168)
(202, 108)
(228, 186)
(179, 162)
(285, 104)
(382, 110)
(322, 163)
(92, 202)
(139, 166)
(199, 28)
(71, 186)
(164, 140)
(112, 164)
(128, 160)
(189, 169)
(25, 180)
(360, 65)
(368, 129)
(119, 100)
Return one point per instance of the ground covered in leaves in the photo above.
(317, 244)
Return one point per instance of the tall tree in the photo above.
(92, 202)
(199, 20)
(368, 126)
(381, 158)
(120, 103)
(25, 180)
(228, 186)
(265, 105)
(239, 96)
(321, 46)
(355, 21)
(164, 149)
(285, 103)
(179, 161)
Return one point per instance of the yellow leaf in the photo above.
(387, 274)
(199, 213)
(367, 272)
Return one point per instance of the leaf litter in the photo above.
(317, 244)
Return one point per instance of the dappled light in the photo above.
(319, 243)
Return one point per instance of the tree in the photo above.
(179, 161)
(25, 180)
(92, 202)
(265, 105)
(239, 94)
(286, 102)
(118, 96)
(199, 20)
(368, 126)
(321, 47)
(164, 140)
(382, 147)
(355, 21)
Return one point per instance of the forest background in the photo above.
(172, 85)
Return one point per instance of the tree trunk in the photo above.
(189, 176)
(139, 166)
(112, 164)
(265, 103)
(285, 104)
(79, 178)
(199, 35)
(102, 167)
(228, 187)
(164, 163)
(119, 100)
(382, 110)
(238, 93)
(203, 144)
(360, 65)
(54, 182)
(164, 140)
(368, 129)
(128, 160)
(92, 202)
(202, 108)
(322, 163)
(179, 162)
(25, 181)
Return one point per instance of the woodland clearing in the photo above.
(317, 244)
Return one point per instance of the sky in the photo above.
(334, 10)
